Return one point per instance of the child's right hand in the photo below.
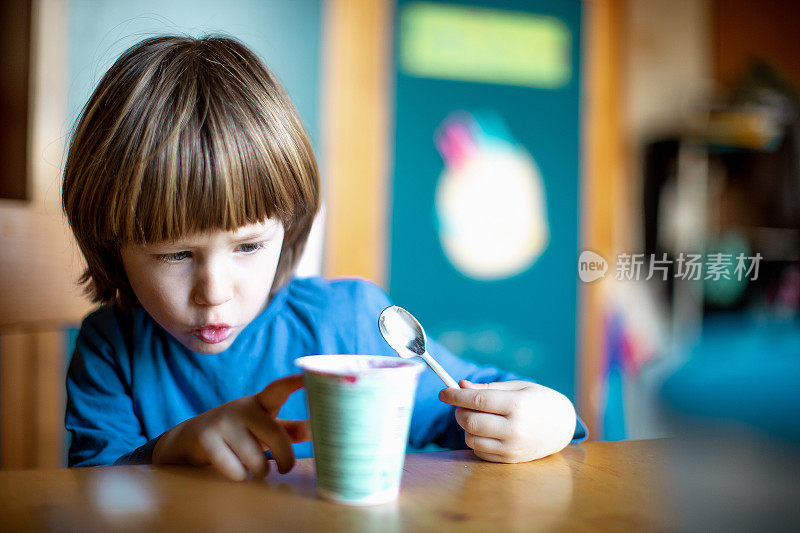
(234, 436)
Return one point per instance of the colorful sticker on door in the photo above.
(490, 200)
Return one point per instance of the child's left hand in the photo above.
(512, 421)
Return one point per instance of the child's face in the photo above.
(205, 288)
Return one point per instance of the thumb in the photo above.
(497, 385)
(276, 393)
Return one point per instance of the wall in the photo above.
(667, 68)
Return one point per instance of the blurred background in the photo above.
(470, 151)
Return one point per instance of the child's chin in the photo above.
(199, 346)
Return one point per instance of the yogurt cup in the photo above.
(360, 409)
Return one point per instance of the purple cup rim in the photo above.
(391, 364)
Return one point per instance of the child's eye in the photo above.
(250, 247)
(174, 257)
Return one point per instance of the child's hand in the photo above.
(512, 421)
(234, 436)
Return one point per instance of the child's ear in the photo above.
(125, 297)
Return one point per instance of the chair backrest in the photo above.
(32, 372)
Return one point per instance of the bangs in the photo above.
(213, 151)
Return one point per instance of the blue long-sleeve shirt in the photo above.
(130, 381)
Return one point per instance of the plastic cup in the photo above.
(360, 409)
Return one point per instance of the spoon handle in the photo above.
(441, 372)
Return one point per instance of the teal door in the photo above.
(485, 185)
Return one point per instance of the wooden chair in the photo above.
(32, 372)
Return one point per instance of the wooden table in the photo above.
(605, 485)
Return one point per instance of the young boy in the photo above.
(191, 187)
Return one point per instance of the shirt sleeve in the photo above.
(433, 421)
(100, 415)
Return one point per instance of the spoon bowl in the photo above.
(405, 335)
(402, 331)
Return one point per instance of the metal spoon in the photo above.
(405, 334)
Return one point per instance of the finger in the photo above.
(276, 393)
(249, 452)
(483, 444)
(298, 430)
(501, 402)
(497, 385)
(223, 459)
(483, 424)
(493, 457)
(275, 437)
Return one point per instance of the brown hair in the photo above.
(185, 135)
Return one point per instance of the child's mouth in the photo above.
(212, 334)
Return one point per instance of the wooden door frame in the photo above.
(357, 95)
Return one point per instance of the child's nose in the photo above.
(213, 285)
